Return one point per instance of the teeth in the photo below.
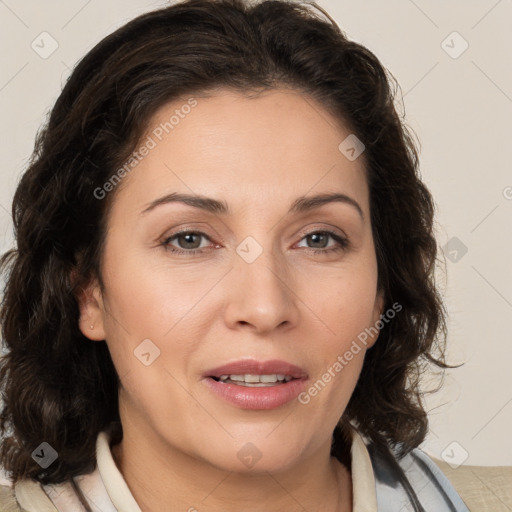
(238, 378)
(249, 379)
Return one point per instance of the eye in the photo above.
(189, 242)
(320, 240)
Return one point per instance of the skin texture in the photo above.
(258, 154)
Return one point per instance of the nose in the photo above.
(261, 295)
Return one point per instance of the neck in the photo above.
(159, 474)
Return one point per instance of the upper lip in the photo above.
(253, 367)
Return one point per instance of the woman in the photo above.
(222, 294)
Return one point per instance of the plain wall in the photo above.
(459, 103)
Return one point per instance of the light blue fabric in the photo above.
(432, 488)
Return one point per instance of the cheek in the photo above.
(155, 325)
(328, 394)
(346, 306)
(346, 311)
(153, 300)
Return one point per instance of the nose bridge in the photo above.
(261, 292)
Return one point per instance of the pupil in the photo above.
(318, 236)
(187, 240)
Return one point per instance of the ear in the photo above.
(90, 303)
(378, 310)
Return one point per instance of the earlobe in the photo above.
(90, 303)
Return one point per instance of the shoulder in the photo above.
(414, 478)
(432, 486)
(28, 495)
(8, 502)
(25, 495)
(440, 486)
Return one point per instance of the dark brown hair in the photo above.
(61, 388)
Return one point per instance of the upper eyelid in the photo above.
(331, 230)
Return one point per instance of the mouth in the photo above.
(254, 381)
(249, 384)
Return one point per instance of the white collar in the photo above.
(107, 490)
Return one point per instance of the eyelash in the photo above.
(343, 242)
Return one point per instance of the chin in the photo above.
(255, 457)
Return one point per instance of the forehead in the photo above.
(251, 151)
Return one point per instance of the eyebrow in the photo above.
(302, 204)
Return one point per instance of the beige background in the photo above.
(458, 103)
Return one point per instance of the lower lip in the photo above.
(264, 398)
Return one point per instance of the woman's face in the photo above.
(253, 285)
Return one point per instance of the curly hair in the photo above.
(59, 387)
